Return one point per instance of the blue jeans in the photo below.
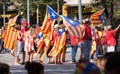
(4, 50)
(95, 55)
(2, 46)
(74, 51)
(87, 48)
(22, 46)
(96, 52)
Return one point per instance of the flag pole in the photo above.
(58, 9)
(80, 11)
(58, 6)
(28, 15)
(37, 14)
(3, 13)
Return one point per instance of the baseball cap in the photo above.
(25, 23)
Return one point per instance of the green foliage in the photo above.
(110, 9)
(117, 14)
(99, 4)
(1, 8)
(42, 4)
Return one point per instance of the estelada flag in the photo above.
(39, 43)
(48, 22)
(59, 43)
(47, 27)
(74, 27)
(97, 18)
(10, 37)
(39, 46)
(93, 47)
(13, 20)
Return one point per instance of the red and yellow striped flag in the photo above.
(48, 22)
(97, 18)
(93, 47)
(74, 27)
(13, 20)
(47, 27)
(47, 44)
(10, 37)
(39, 45)
(59, 44)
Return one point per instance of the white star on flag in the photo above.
(71, 21)
(53, 15)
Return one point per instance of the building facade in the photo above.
(70, 8)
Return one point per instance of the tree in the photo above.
(1, 7)
(21, 5)
(111, 10)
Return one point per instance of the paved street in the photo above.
(65, 68)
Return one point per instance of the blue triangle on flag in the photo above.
(18, 20)
(52, 13)
(71, 21)
(102, 17)
(60, 32)
(40, 35)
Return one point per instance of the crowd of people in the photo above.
(90, 45)
(106, 64)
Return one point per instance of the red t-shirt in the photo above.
(87, 33)
(23, 30)
(110, 36)
(104, 40)
(73, 40)
(96, 39)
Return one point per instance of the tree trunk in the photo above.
(118, 43)
(111, 14)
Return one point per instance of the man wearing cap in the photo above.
(85, 42)
(24, 29)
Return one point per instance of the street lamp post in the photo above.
(58, 7)
(80, 11)
(4, 13)
(28, 13)
(37, 11)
